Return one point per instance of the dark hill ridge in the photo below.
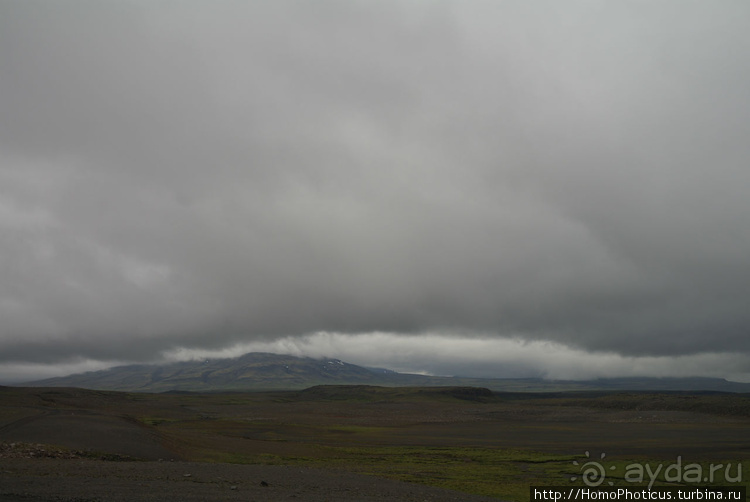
(263, 371)
(377, 393)
(253, 371)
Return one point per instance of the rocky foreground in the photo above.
(30, 475)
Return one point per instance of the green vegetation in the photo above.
(718, 404)
(155, 420)
(493, 472)
(503, 473)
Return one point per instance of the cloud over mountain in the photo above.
(200, 175)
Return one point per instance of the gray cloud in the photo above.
(200, 175)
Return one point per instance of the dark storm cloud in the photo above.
(190, 174)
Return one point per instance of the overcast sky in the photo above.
(494, 188)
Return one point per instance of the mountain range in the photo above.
(257, 371)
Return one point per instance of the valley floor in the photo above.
(58, 480)
(345, 443)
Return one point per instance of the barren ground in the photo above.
(72, 445)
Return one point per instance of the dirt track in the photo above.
(52, 480)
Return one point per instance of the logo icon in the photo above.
(593, 472)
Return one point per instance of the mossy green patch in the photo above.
(155, 421)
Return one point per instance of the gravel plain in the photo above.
(87, 480)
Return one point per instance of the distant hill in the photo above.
(253, 371)
(264, 371)
(674, 384)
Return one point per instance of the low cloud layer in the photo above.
(444, 355)
(553, 177)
